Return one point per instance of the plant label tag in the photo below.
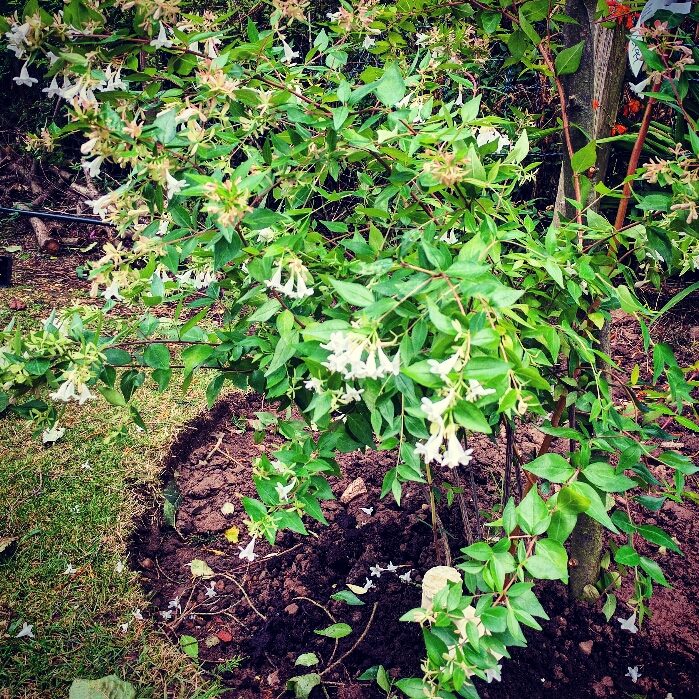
(649, 9)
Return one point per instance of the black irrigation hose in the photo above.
(56, 217)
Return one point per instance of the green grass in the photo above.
(77, 502)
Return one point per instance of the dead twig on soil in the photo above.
(245, 594)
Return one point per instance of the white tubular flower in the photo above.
(248, 552)
(351, 394)
(88, 146)
(295, 286)
(313, 384)
(112, 291)
(339, 342)
(17, 39)
(66, 392)
(455, 453)
(429, 450)
(52, 90)
(434, 411)
(284, 490)
(487, 134)
(368, 42)
(24, 77)
(173, 185)
(93, 167)
(83, 394)
(493, 673)
(68, 90)
(443, 369)
(389, 366)
(289, 54)
(52, 57)
(371, 371)
(162, 42)
(26, 630)
(476, 391)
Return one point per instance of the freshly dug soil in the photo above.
(265, 614)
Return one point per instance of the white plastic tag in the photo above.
(649, 9)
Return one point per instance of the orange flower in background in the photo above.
(595, 105)
(621, 14)
(619, 129)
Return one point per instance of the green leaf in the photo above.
(553, 551)
(562, 525)
(390, 89)
(471, 417)
(568, 60)
(37, 367)
(303, 684)
(117, 357)
(307, 659)
(347, 596)
(627, 556)
(571, 502)
(112, 396)
(354, 294)
(596, 510)
(335, 631)
(604, 477)
(533, 514)
(412, 687)
(495, 619)
(157, 356)
(654, 570)
(585, 158)
(551, 467)
(190, 646)
(657, 536)
(110, 687)
(193, 357)
(609, 606)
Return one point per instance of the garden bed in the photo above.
(265, 614)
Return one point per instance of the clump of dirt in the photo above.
(257, 618)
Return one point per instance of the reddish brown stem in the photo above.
(633, 163)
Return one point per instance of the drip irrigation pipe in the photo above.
(56, 217)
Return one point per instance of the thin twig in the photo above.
(245, 594)
(359, 640)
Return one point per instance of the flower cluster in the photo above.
(357, 357)
(295, 286)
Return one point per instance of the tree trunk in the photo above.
(592, 97)
(592, 94)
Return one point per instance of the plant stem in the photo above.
(433, 508)
(633, 164)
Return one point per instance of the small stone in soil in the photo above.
(586, 647)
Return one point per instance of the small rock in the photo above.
(147, 563)
(291, 609)
(224, 636)
(586, 647)
(353, 490)
(694, 332)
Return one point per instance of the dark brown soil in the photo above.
(266, 612)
